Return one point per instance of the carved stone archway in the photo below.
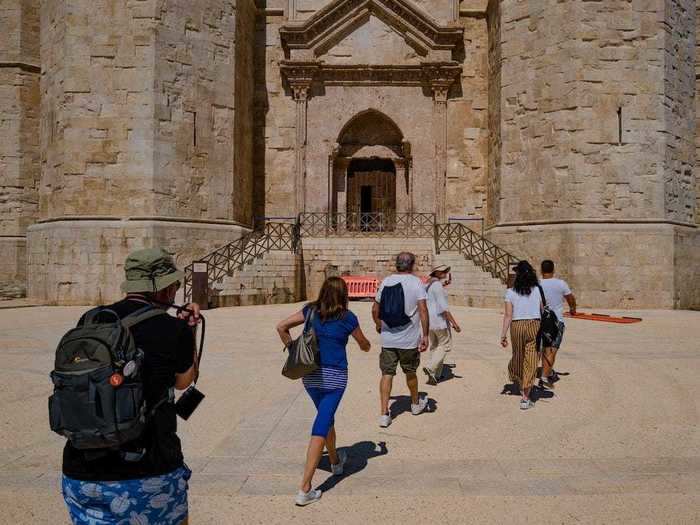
(366, 136)
(306, 42)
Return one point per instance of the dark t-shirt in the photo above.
(168, 347)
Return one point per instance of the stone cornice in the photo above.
(430, 74)
(334, 22)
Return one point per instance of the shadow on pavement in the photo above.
(402, 404)
(359, 455)
(448, 374)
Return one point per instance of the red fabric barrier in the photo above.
(360, 287)
(604, 317)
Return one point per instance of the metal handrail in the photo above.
(235, 255)
(476, 248)
(357, 224)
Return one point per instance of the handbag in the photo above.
(302, 352)
(549, 324)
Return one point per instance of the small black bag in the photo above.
(549, 324)
(302, 352)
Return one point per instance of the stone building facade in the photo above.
(569, 127)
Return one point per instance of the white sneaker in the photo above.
(526, 404)
(420, 406)
(385, 420)
(337, 469)
(306, 498)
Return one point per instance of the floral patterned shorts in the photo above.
(160, 500)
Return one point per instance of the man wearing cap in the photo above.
(120, 485)
(441, 323)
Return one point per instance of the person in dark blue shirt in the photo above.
(333, 324)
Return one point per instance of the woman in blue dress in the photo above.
(333, 323)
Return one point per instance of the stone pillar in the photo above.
(19, 138)
(300, 90)
(440, 90)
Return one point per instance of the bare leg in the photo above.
(412, 383)
(313, 456)
(330, 446)
(385, 392)
(548, 356)
(526, 393)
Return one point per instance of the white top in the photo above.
(554, 291)
(524, 306)
(437, 304)
(413, 291)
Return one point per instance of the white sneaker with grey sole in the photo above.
(420, 406)
(385, 420)
(306, 498)
(337, 469)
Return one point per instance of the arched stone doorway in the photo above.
(371, 172)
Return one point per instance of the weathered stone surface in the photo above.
(19, 138)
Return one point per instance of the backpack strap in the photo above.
(143, 314)
(91, 315)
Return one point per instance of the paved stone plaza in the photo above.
(621, 434)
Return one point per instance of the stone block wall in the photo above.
(19, 143)
(591, 147)
(139, 136)
(272, 279)
(82, 262)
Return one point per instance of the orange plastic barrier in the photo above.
(360, 287)
(604, 317)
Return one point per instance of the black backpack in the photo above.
(549, 324)
(392, 309)
(98, 400)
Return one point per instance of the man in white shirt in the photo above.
(441, 324)
(555, 291)
(401, 317)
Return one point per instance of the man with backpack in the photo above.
(114, 384)
(556, 291)
(400, 314)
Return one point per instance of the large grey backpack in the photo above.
(98, 400)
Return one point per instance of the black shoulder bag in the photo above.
(549, 324)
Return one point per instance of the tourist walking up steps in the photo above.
(555, 292)
(333, 323)
(144, 479)
(523, 307)
(441, 324)
(400, 314)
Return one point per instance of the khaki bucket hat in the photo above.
(150, 270)
(441, 268)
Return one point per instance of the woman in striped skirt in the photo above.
(523, 307)
(333, 323)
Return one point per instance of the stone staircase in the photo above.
(471, 286)
(270, 279)
(278, 265)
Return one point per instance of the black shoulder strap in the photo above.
(141, 315)
(544, 300)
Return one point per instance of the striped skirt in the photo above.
(523, 365)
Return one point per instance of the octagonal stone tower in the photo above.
(145, 109)
(592, 145)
